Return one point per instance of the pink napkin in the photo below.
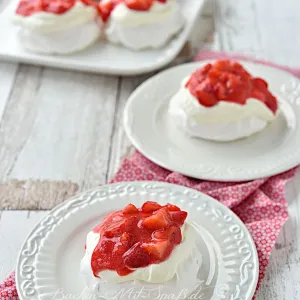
(260, 204)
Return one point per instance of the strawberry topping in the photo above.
(106, 7)
(29, 7)
(228, 81)
(135, 238)
(142, 5)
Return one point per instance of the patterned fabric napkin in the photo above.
(260, 204)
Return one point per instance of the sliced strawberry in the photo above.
(221, 90)
(106, 7)
(150, 206)
(157, 250)
(160, 219)
(205, 98)
(29, 7)
(125, 237)
(222, 65)
(128, 239)
(171, 234)
(115, 229)
(260, 83)
(178, 217)
(130, 209)
(131, 223)
(120, 249)
(257, 94)
(106, 246)
(142, 5)
(171, 207)
(136, 257)
(272, 103)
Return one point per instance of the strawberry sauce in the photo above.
(58, 7)
(107, 6)
(228, 81)
(135, 238)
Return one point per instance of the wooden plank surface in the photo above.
(64, 125)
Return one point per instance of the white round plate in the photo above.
(271, 151)
(49, 262)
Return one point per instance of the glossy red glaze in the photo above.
(29, 7)
(134, 238)
(107, 6)
(228, 81)
(58, 7)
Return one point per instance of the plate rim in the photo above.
(76, 197)
(134, 140)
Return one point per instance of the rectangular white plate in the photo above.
(101, 57)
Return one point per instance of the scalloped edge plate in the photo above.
(273, 150)
(49, 261)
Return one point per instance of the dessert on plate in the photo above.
(221, 101)
(57, 26)
(140, 24)
(142, 249)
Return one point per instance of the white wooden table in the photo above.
(63, 125)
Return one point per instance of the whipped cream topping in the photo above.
(143, 29)
(44, 22)
(155, 273)
(223, 122)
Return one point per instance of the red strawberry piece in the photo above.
(128, 239)
(206, 99)
(160, 219)
(106, 7)
(57, 7)
(136, 257)
(257, 94)
(178, 217)
(260, 84)
(106, 246)
(150, 206)
(171, 234)
(223, 65)
(221, 91)
(237, 95)
(131, 223)
(120, 248)
(206, 69)
(142, 5)
(115, 229)
(272, 103)
(157, 250)
(130, 209)
(171, 207)
(28, 7)
(125, 237)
